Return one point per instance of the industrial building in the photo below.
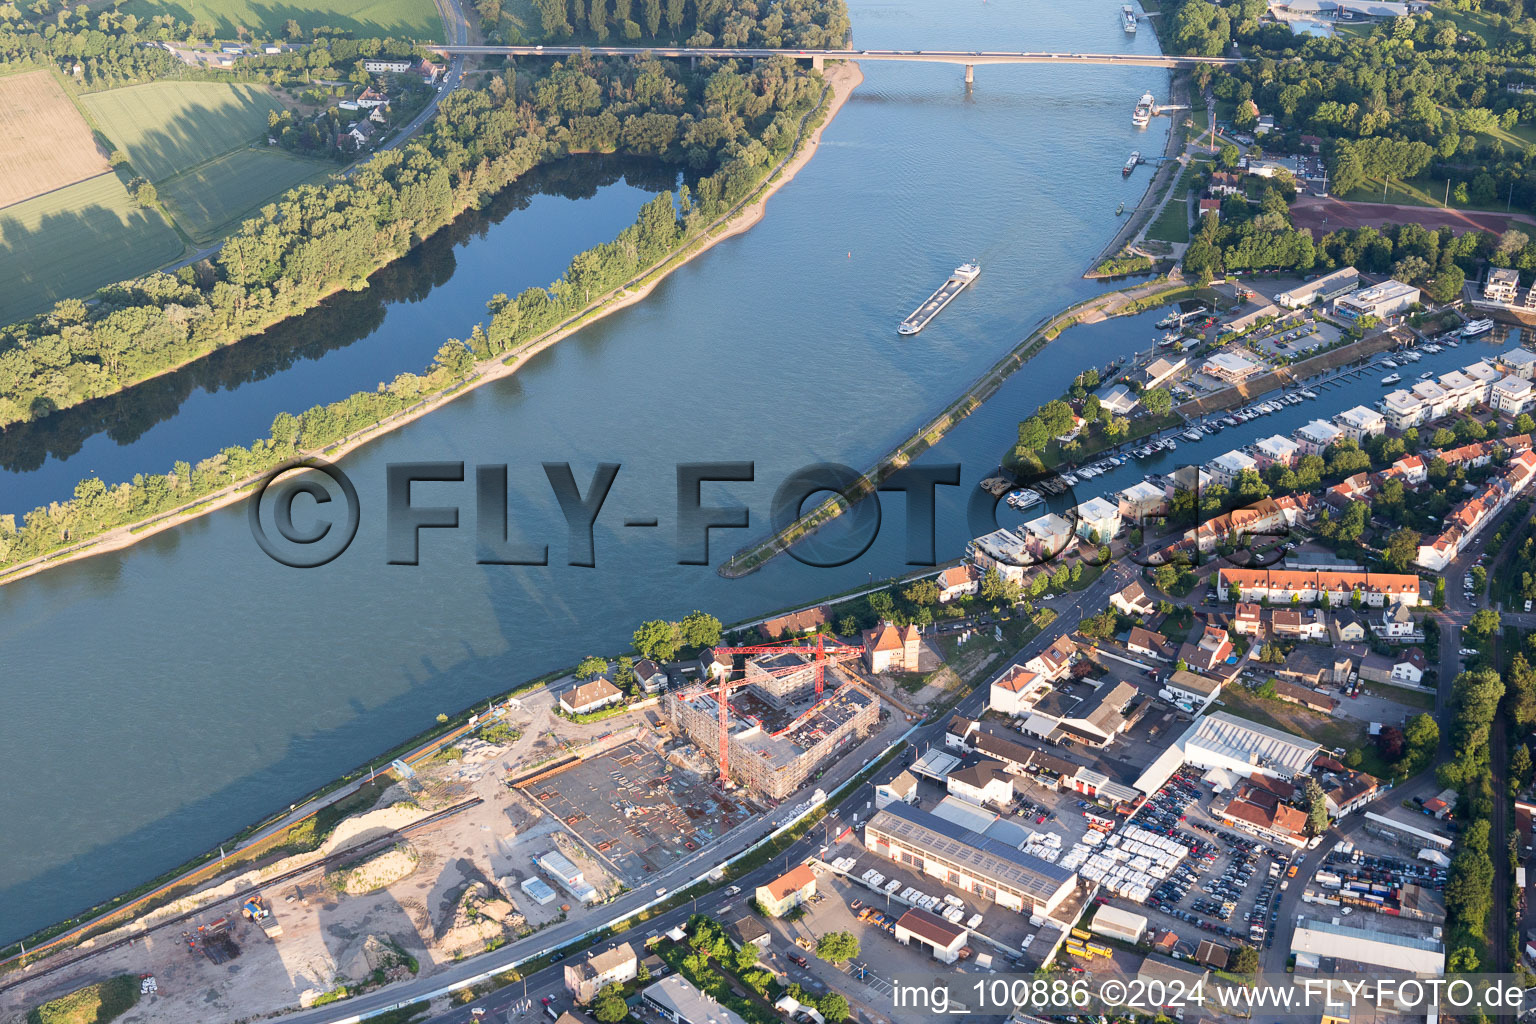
(1323, 289)
(772, 747)
(1316, 940)
(1122, 925)
(1234, 745)
(931, 932)
(1381, 301)
(967, 860)
(675, 999)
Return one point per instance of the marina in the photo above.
(924, 314)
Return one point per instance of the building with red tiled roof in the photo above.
(803, 621)
(958, 581)
(786, 892)
(892, 648)
(1280, 586)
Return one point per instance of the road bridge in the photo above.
(818, 58)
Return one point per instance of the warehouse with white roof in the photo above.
(1234, 745)
(1314, 941)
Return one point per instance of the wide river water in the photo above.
(158, 699)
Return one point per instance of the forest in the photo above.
(735, 123)
(787, 24)
(317, 239)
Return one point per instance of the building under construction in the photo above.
(774, 743)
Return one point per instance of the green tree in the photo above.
(610, 1007)
(922, 593)
(837, 946)
(1317, 808)
(657, 640)
(745, 958)
(1402, 549)
(833, 1008)
(591, 666)
(1483, 624)
(1245, 960)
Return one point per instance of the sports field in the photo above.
(44, 142)
(220, 193)
(400, 19)
(167, 127)
(73, 241)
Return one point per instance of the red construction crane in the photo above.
(826, 651)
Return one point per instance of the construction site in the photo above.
(783, 722)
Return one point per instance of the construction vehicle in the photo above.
(255, 909)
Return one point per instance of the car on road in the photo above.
(734, 890)
(1468, 652)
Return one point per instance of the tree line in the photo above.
(283, 259)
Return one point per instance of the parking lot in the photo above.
(1227, 889)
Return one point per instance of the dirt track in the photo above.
(1324, 215)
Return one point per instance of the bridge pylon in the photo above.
(970, 74)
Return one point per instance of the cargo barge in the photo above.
(963, 275)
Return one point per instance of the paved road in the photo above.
(1070, 610)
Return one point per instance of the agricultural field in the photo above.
(46, 143)
(216, 196)
(74, 240)
(400, 19)
(169, 127)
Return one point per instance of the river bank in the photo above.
(841, 80)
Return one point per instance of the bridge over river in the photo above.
(967, 58)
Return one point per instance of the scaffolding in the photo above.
(777, 764)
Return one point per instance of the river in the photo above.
(160, 698)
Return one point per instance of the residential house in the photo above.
(1142, 501)
(1149, 644)
(1191, 689)
(1502, 284)
(429, 71)
(1395, 622)
(1360, 423)
(787, 892)
(591, 696)
(372, 98)
(1405, 667)
(1226, 468)
(1055, 661)
(584, 979)
(1225, 183)
(1347, 627)
(1248, 619)
(1276, 451)
(1015, 691)
(892, 648)
(747, 930)
(807, 620)
(360, 132)
(1315, 437)
(1098, 521)
(1519, 361)
(386, 65)
(985, 782)
(1512, 395)
(1046, 536)
(1003, 550)
(1298, 624)
(1133, 600)
(1346, 791)
(1259, 812)
(1210, 206)
(1213, 648)
(958, 581)
(717, 664)
(902, 788)
(1280, 586)
(649, 675)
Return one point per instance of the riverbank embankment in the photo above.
(841, 80)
